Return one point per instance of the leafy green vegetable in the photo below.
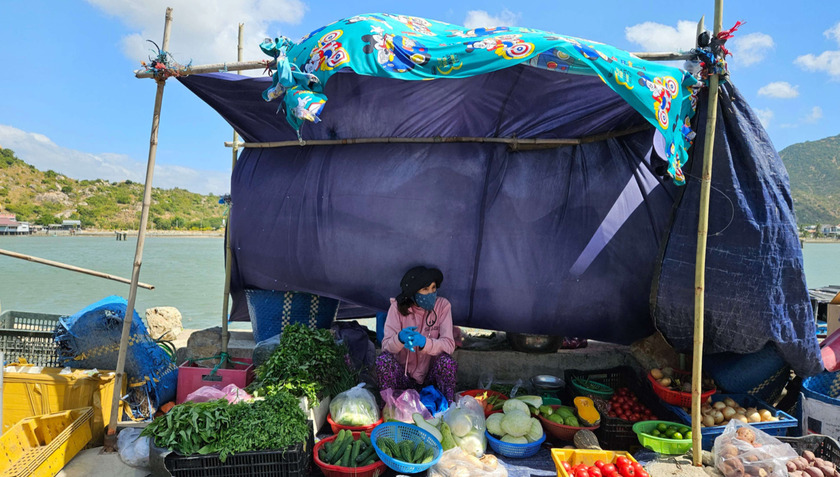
(308, 362)
(191, 428)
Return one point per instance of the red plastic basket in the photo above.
(337, 427)
(559, 431)
(372, 470)
(478, 392)
(677, 398)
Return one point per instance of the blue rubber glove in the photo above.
(418, 340)
(405, 334)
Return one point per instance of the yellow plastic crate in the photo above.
(41, 446)
(32, 391)
(584, 456)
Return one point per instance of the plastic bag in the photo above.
(355, 407)
(434, 401)
(744, 450)
(134, 450)
(231, 392)
(508, 388)
(457, 463)
(403, 406)
(465, 419)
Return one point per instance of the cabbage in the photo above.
(516, 423)
(515, 404)
(472, 444)
(494, 424)
(459, 423)
(535, 432)
(514, 440)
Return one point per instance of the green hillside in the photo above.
(48, 197)
(814, 168)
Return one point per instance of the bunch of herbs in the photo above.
(307, 362)
(191, 428)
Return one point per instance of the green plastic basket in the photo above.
(663, 445)
(585, 387)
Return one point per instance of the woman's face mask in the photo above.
(427, 301)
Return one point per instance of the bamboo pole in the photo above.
(700, 266)
(138, 254)
(72, 268)
(515, 142)
(228, 252)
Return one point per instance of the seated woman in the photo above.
(417, 345)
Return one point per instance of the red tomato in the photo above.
(642, 473)
(599, 464)
(581, 473)
(638, 467)
(595, 472)
(567, 466)
(621, 460)
(608, 469)
(627, 470)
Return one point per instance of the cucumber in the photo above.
(333, 454)
(354, 452)
(419, 452)
(370, 460)
(363, 455)
(365, 438)
(322, 454)
(345, 457)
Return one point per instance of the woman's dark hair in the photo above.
(404, 305)
(414, 280)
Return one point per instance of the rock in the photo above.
(205, 344)
(264, 349)
(164, 321)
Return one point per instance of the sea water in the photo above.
(187, 272)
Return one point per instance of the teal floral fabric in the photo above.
(414, 48)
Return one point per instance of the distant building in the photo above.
(830, 230)
(71, 224)
(10, 226)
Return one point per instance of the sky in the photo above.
(69, 100)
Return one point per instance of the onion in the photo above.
(741, 418)
(741, 410)
(708, 421)
(728, 412)
(719, 405)
(718, 417)
(754, 417)
(765, 414)
(730, 402)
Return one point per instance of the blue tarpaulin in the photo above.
(560, 240)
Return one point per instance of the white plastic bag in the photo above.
(402, 407)
(465, 419)
(457, 463)
(134, 450)
(744, 450)
(355, 407)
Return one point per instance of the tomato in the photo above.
(582, 472)
(567, 466)
(621, 460)
(626, 470)
(599, 464)
(642, 474)
(638, 467)
(595, 472)
(608, 469)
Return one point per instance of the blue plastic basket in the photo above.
(399, 431)
(508, 449)
(271, 311)
(773, 428)
(824, 387)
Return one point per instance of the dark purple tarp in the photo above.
(563, 241)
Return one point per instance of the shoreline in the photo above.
(127, 233)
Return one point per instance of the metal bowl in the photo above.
(528, 343)
(547, 382)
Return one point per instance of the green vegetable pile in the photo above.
(406, 450)
(308, 362)
(274, 423)
(346, 452)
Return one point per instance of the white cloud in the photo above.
(764, 116)
(815, 115)
(751, 49)
(41, 152)
(779, 89)
(202, 32)
(833, 32)
(480, 18)
(658, 37)
(827, 61)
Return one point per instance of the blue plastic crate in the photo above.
(509, 449)
(774, 428)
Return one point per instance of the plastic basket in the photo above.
(824, 447)
(337, 427)
(586, 387)
(478, 392)
(820, 404)
(773, 428)
(582, 456)
(517, 451)
(42, 445)
(29, 336)
(616, 433)
(399, 432)
(192, 376)
(271, 311)
(663, 445)
(329, 470)
(676, 398)
(289, 462)
(560, 431)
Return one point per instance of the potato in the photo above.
(665, 382)
(814, 472)
(791, 466)
(728, 451)
(809, 456)
(745, 434)
(656, 373)
(755, 471)
(732, 468)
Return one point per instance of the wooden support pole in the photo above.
(72, 268)
(700, 265)
(138, 254)
(228, 252)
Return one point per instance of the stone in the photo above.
(164, 322)
(207, 343)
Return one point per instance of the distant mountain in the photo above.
(47, 197)
(814, 168)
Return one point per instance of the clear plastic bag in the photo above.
(403, 406)
(134, 450)
(355, 407)
(457, 463)
(466, 422)
(743, 450)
